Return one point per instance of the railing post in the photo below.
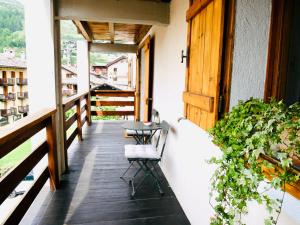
(65, 139)
(52, 153)
(88, 108)
(134, 107)
(78, 112)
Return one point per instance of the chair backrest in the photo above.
(155, 116)
(162, 139)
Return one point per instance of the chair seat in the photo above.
(132, 132)
(141, 152)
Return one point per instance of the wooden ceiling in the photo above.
(112, 32)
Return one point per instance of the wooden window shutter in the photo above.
(205, 39)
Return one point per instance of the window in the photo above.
(283, 69)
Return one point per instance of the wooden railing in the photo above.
(75, 103)
(96, 101)
(14, 135)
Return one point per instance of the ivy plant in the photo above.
(251, 129)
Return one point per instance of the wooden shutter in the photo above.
(205, 38)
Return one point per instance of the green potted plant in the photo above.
(251, 130)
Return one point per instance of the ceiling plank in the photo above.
(116, 11)
(111, 28)
(84, 29)
(113, 48)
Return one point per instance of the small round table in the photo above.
(143, 133)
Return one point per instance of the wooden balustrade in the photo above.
(95, 101)
(14, 135)
(74, 102)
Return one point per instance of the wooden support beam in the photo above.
(84, 29)
(112, 48)
(111, 28)
(116, 11)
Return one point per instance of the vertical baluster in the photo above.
(52, 153)
(78, 112)
(65, 139)
(88, 109)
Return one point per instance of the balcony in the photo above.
(95, 164)
(22, 95)
(6, 112)
(22, 81)
(3, 98)
(23, 109)
(7, 81)
(13, 111)
(3, 121)
(8, 97)
(11, 96)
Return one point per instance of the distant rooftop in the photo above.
(111, 62)
(12, 63)
(8, 59)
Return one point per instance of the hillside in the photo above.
(12, 25)
(12, 34)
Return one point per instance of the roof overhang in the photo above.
(114, 21)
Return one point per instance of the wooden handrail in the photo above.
(69, 103)
(13, 136)
(118, 103)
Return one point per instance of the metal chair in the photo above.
(154, 118)
(147, 157)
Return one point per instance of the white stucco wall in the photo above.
(83, 67)
(250, 49)
(40, 54)
(188, 146)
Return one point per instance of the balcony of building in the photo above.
(6, 112)
(23, 109)
(22, 81)
(22, 95)
(7, 97)
(7, 81)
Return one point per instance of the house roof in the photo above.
(69, 69)
(12, 63)
(112, 62)
(116, 60)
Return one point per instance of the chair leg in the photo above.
(135, 188)
(156, 179)
(155, 170)
(126, 170)
(148, 171)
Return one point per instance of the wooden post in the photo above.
(52, 153)
(137, 87)
(78, 113)
(88, 109)
(65, 140)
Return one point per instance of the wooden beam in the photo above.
(141, 34)
(116, 11)
(84, 29)
(111, 28)
(112, 48)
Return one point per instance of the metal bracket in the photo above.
(184, 56)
